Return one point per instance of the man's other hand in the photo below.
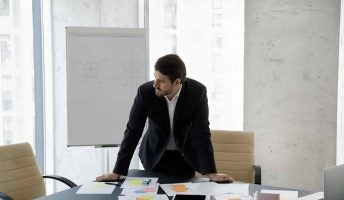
(220, 178)
(108, 177)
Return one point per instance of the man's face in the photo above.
(163, 86)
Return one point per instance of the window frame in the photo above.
(38, 83)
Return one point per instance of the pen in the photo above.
(109, 183)
(146, 182)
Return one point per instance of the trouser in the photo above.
(173, 163)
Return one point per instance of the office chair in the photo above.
(20, 177)
(234, 155)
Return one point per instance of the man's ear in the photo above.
(178, 81)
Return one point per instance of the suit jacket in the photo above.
(191, 128)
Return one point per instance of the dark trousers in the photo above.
(173, 163)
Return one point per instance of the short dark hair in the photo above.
(172, 66)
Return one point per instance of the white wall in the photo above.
(80, 164)
(340, 112)
(290, 97)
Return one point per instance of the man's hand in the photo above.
(220, 178)
(108, 177)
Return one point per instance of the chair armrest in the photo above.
(62, 179)
(257, 174)
(4, 196)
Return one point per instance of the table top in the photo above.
(163, 178)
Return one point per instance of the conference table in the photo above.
(163, 178)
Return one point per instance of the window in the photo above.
(7, 130)
(217, 46)
(85, 160)
(217, 20)
(6, 93)
(217, 4)
(5, 52)
(209, 37)
(170, 14)
(6, 100)
(4, 8)
(17, 111)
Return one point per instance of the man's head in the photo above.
(169, 74)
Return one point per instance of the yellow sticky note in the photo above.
(100, 185)
(135, 182)
(145, 197)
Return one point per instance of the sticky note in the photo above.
(145, 197)
(179, 188)
(135, 182)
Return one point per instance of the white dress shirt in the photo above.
(171, 104)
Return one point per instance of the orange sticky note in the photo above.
(179, 188)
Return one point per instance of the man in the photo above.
(177, 140)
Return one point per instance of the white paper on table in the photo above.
(284, 194)
(240, 189)
(140, 191)
(204, 188)
(96, 188)
(168, 189)
(137, 182)
(150, 197)
(228, 196)
(314, 196)
(217, 189)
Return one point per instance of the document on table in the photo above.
(96, 188)
(212, 188)
(284, 194)
(177, 188)
(205, 188)
(140, 182)
(140, 191)
(144, 197)
(230, 196)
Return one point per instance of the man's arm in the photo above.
(132, 135)
(220, 178)
(200, 136)
(202, 139)
(108, 177)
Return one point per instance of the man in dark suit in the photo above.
(177, 140)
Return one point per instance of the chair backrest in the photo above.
(20, 177)
(234, 154)
(334, 182)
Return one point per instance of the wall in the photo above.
(81, 164)
(290, 88)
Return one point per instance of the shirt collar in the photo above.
(177, 95)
